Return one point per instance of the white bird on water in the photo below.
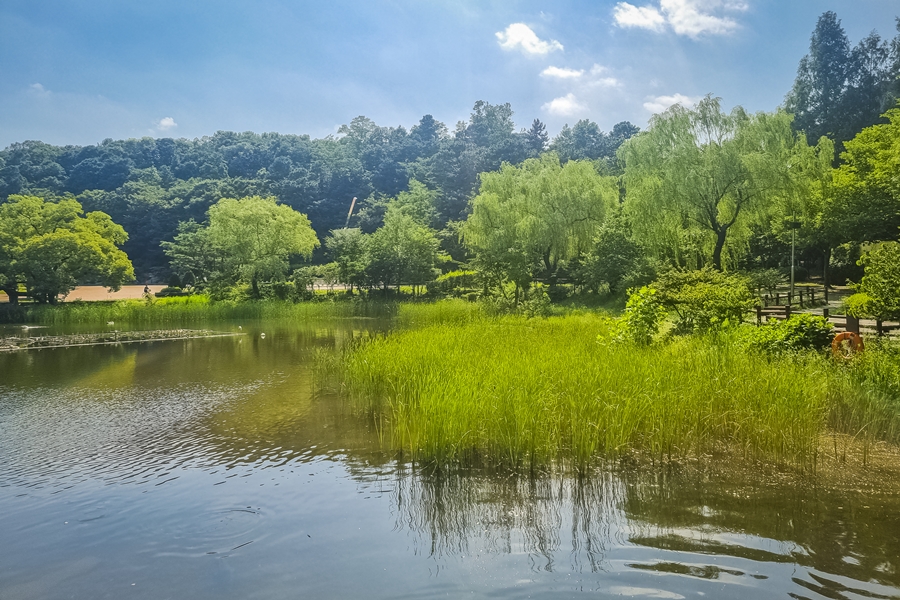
(262, 335)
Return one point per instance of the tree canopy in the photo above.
(527, 219)
(50, 247)
(252, 240)
(698, 177)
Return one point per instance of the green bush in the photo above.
(766, 279)
(170, 291)
(858, 305)
(800, 332)
(705, 300)
(454, 283)
(643, 315)
(882, 280)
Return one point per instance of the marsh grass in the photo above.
(865, 396)
(198, 309)
(527, 392)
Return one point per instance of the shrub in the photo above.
(882, 280)
(643, 315)
(169, 291)
(706, 299)
(858, 305)
(537, 304)
(800, 332)
(455, 283)
(766, 279)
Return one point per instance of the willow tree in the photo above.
(526, 220)
(257, 237)
(696, 177)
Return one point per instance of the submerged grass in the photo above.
(523, 392)
(194, 309)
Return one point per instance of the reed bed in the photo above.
(527, 392)
(198, 309)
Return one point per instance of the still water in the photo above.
(211, 468)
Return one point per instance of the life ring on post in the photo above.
(847, 344)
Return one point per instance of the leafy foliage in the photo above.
(644, 313)
(49, 247)
(881, 282)
(705, 299)
(799, 332)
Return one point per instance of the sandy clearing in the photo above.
(89, 293)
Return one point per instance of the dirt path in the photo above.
(89, 293)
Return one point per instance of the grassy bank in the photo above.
(189, 309)
(523, 392)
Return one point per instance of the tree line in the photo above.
(490, 207)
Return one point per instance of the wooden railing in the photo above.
(802, 296)
(840, 322)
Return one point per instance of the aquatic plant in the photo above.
(522, 392)
(197, 309)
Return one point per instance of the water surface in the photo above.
(209, 468)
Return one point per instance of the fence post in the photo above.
(777, 298)
(825, 312)
(758, 315)
(787, 311)
(852, 324)
(879, 327)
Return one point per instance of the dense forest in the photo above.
(699, 187)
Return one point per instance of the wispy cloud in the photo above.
(658, 104)
(38, 90)
(564, 106)
(562, 73)
(693, 18)
(519, 36)
(166, 123)
(641, 17)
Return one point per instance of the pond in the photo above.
(212, 468)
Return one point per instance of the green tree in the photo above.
(839, 90)
(51, 247)
(865, 205)
(530, 218)
(881, 282)
(347, 248)
(192, 255)
(402, 251)
(253, 239)
(697, 176)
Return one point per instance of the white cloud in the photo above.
(687, 17)
(562, 73)
(36, 89)
(692, 18)
(606, 82)
(520, 36)
(565, 106)
(644, 17)
(658, 104)
(166, 123)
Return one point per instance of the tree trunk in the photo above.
(254, 286)
(720, 244)
(13, 294)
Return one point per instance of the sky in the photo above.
(78, 72)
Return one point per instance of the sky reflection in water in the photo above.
(211, 469)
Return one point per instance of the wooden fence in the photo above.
(802, 296)
(840, 322)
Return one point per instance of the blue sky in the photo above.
(77, 72)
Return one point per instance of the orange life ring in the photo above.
(854, 344)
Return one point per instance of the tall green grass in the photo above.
(198, 309)
(523, 392)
